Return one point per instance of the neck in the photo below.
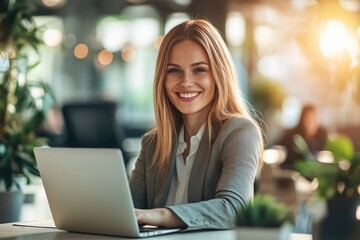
(193, 122)
(192, 125)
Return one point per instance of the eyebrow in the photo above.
(192, 65)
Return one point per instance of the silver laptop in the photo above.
(88, 191)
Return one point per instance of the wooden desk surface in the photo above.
(10, 232)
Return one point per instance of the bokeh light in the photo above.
(112, 33)
(81, 51)
(235, 29)
(174, 19)
(52, 37)
(128, 54)
(53, 3)
(105, 57)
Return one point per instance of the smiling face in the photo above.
(189, 81)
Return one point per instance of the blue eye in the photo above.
(199, 70)
(173, 70)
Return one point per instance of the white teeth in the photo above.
(188, 95)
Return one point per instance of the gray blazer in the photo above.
(221, 181)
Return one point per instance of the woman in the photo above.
(310, 129)
(197, 167)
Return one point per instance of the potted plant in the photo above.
(338, 181)
(23, 103)
(264, 218)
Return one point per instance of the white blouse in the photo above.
(178, 193)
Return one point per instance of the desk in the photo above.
(10, 232)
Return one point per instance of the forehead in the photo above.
(187, 51)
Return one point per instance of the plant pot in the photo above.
(340, 223)
(10, 206)
(256, 233)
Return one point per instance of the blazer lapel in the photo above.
(197, 176)
(199, 169)
(162, 185)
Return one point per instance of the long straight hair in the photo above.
(227, 101)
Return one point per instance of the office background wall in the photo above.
(108, 50)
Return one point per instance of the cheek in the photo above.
(169, 85)
(211, 88)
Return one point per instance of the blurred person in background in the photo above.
(310, 129)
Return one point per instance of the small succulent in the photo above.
(265, 211)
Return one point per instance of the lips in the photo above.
(188, 96)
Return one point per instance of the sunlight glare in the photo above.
(350, 5)
(335, 39)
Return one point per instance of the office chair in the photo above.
(92, 124)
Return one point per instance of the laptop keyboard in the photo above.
(152, 231)
(148, 228)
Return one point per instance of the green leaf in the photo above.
(33, 123)
(18, 129)
(341, 147)
(302, 147)
(316, 169)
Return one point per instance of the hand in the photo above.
(162, 217)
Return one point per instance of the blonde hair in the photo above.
(227, 102)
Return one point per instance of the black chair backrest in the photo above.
(92, 124)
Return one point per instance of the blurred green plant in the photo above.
(23, 103)
(266, 94)
(265, 211)
(340, 178)
(17, 27)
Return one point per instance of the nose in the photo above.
(187, 80)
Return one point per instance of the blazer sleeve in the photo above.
(237, 147)
(137, 179)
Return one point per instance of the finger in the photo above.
(140, 216)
